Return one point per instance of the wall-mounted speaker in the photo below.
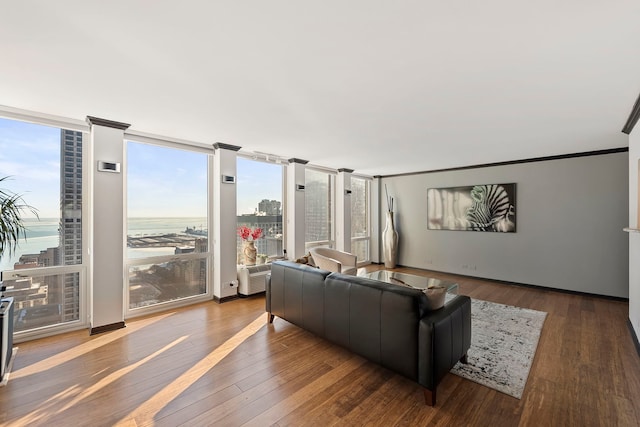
(228, 179)
(299, 187)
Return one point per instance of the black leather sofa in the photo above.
(385, 323)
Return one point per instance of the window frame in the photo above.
(331, 243)
(367, 181)
(127, 263)
(275, 160)
(84, 294)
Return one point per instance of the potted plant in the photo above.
(12, 228)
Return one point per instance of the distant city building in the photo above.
(46, 258)
(359, 208)
(318, 207)
(269, 207)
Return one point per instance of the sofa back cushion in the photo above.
(376, 320)
(297, 295)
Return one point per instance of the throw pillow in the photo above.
(303, 260)
(307, 259)
(310, 260)
(435, 297)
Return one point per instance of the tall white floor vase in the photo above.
(390, 242)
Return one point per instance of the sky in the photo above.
(30, 155)
(161, 182)
(257, 181)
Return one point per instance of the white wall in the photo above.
(570, 216)
(634, 238)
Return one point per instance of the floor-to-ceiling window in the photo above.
(46, 273)
(319, 208)
(360, 218)
(167, 225)
(260, 206)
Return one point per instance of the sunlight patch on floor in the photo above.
(114, 376)
(155, 403)
(75, 394)
(45, 409)
(79, 350)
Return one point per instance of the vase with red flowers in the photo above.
(249, 236)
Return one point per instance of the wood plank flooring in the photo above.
(223, 365)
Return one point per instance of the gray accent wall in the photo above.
(570, 219)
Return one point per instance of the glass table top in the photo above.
(410, 280)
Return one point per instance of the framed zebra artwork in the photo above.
(489, 207)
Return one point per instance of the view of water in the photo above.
(142, 226)
(43, 233)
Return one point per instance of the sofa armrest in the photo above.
(444, 338)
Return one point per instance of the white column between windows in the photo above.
(107, 272)
(343, 210)
(295, 236)
(225, 274)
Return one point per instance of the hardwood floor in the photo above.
(222, 364)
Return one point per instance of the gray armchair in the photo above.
(335, 260)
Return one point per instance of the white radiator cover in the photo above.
(251, 278)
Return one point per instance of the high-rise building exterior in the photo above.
(318, 207)
(360, 229)
(70, 219)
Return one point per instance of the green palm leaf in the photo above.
(12, 228)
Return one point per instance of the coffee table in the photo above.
(410, 280)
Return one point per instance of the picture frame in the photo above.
(483, 207)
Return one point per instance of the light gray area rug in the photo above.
(503, 343)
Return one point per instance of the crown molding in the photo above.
(97, 121)
(222, 145)
(302, 162)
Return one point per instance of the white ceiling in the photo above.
(381, 87)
